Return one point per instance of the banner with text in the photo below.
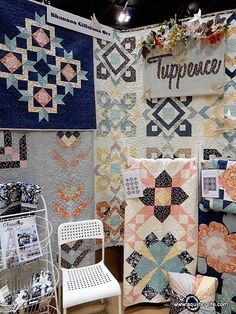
(79, 24)
(201, 73)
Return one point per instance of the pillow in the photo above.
(190, 293)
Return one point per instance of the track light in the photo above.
(124, 16)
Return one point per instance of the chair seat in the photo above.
(89, 283)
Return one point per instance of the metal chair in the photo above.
(85, 284)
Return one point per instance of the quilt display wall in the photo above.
(57, 161)
(46, 72)
(160, 228)
(130, 126)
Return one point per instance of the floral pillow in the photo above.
(190, 293)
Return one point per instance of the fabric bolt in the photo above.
(129, 126)
(46, 72)
(160, 228)
(190, 293)
(226, 202)
(217, 255)
(59, 162)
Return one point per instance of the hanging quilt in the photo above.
(160, 228)
(226, 202)
(46, 72)
(128, 125)
(57, 162)
(217, 255)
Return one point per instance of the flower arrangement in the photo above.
(170, 36)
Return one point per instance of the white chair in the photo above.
(85, 284)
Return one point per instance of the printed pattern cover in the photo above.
(217, 255)
(160, 228)
(227, 183)
(46, 72)
(129, 126)
(57, 162)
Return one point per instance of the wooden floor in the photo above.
(110, 307)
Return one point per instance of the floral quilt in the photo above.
(217, 255)
(160, 228)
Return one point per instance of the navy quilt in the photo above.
(46, 72)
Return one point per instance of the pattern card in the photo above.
(132, 183)
(210, 183)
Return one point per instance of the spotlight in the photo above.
(124, 17)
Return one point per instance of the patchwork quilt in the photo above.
(217, 255)
(130, 126)
(46, 72)
(57, 162)
(226, 202)
(160, 228)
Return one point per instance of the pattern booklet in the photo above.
(19, 241)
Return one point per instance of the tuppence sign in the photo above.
(201, 73)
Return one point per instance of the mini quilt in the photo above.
(160, 228)
(192, 294)
(226, 202)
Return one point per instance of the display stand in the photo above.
(19, 277)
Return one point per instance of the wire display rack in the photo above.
(20, 278)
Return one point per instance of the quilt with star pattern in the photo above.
(160, 228)
(46, 71)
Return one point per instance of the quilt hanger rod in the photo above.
(42, 2)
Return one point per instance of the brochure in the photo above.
(19, 241)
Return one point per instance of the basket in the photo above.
(21, 278)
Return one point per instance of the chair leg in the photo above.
(120, 311)
(64, 311)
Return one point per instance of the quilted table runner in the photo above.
(217, 255)
(46, 72)
(226, 202)
(160, 228)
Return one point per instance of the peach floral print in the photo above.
(228, 182)
(218, 247)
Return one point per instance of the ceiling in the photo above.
(142, 12)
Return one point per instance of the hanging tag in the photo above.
(210, 183)
(132, 183)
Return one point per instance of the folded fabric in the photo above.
(226, 202)
(190, 293)
(16, 197)
(42, 284)
(21, 300)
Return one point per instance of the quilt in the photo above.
(160, 228)
(217, 255)
(46, 72)
(170, 127)
(57, 162)
(227, 181)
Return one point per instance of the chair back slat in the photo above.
(79, 230)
